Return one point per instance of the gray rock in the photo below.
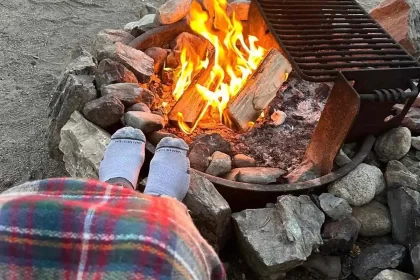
(306, 171)
(202, 148)
(336, 208)
(240, 8)
(410, 160)
(360, 185)
(255, 175)
(374, 218)
(339, 237)
(412, 120)
(415, 142)
(369, 5)
(341, 159)
(173, 11)
(375, 258)
(72, 93)
(159, 57)
(220, 164)
(393, 144)
(397, 175)
(350, 149)
(82, 63)
(209, 211)
(392, 274)
(292, 227)
(385, 239)
(141, 107)
(83, 145)
(241, 160)
(104, 111)
(415, 259)
(110, 36)
(328, 267)
(112, 72)
(136, 61)
(145, 20)
(401, 203)
(129, 94)
(146, 122)
(147, 9)
(372, 159)
(382, 198)
(155, 136)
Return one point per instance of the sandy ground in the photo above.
(36, 41)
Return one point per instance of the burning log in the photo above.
(258, 92)
(191, 103)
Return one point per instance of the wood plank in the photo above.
(258, 92)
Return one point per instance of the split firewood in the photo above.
(246, 107)
(192, 103)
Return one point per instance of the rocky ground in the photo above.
(36, 39)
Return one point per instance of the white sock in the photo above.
(123, 157)
(169, 169)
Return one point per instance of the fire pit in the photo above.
(291, 111)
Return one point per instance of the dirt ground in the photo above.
(36, 40)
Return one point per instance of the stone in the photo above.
(112, 72)
(397, 175)
(135, 60)
(292, 227)
(173, 11)
(401, 203)
(220, 164)
(360, 185)
(392, 274)
(400, 18)
(141, 107)
(82, 63)
(412, 120)
(415, 259)
(336, 208)
(110, 36)
(241, 160)
(415, 142)
(369, 5)
(146, 122)
(72, 93)
(372, 159)
(340, 236)
(350, 149)
(410, 160)
(341, 159)
(202, 148)
(209, 211)
(375, 258)
(374, 218)
(255, 175)
(147, 9)
(140, 30)
(240, 8)
(155, 136)
(328, 267)
(306, 171)
(129, 94)
(83, 145)
(159, 57)
(145, 20)
(104, 111)
(393, 144)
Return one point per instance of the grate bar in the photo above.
(322, 37)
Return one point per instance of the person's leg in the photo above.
(123, 158)
(169, 169)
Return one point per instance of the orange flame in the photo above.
(234, 59)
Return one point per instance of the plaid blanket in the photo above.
(86, 229)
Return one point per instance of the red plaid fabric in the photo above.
(76, 229)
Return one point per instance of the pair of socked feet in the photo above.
(169, 168)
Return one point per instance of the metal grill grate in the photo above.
(323, 37)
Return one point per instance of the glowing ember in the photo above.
(234, 58)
